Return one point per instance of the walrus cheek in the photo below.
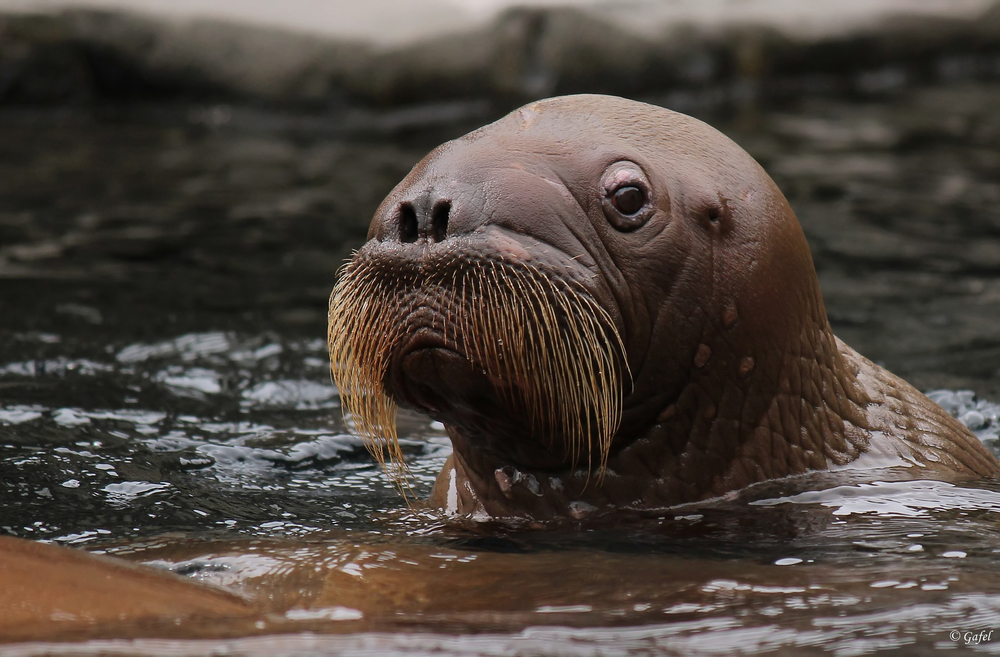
(508, 249)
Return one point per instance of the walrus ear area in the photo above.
(626, 196)
(716, 215)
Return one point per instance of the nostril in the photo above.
(407, 223)
(439, 220)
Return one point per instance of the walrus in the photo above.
(610, 305)
(51, 592)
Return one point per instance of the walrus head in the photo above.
(554, 284)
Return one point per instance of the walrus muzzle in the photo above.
(521, 359)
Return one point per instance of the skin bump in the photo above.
(703, 354)
(509, 249)
(504, 480)
(669, 412)
(729, 316)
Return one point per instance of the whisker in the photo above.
(553, 353)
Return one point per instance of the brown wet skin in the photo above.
(733, 373)
(51, 592)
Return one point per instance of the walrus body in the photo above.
(610, 304)
(51, 592)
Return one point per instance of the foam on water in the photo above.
(980, 415)
(895, 499)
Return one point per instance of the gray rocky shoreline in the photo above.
(85, 55)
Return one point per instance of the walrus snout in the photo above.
(430, 211)
(426, 218)
(480, 333)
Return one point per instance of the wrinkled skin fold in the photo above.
(595, 286)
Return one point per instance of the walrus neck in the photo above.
(799, 409)
(827, 406)
(712, 438)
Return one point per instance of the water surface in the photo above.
(165, 398)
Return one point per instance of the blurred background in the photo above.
(180, 181)
(212, 163)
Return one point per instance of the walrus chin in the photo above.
(522, 360)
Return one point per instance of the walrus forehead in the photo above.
(577, 137)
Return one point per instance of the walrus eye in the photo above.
(626, 197)
(628, 200)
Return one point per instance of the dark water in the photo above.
(164, 393)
